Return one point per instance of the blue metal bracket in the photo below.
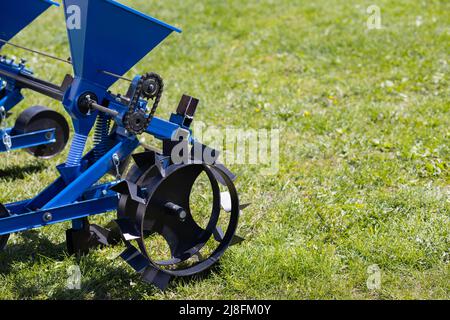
(48, 216)
(26, 140)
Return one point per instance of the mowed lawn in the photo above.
(364, 172)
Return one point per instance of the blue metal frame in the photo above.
(67, 199)
(76, 194)
(14, 17)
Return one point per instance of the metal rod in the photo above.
(29, 82)
(35, 51)
(176, 209)
(60, 59)
(101, 108)
(115, 75)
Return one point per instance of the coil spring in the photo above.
(101, 134)
(76, 150)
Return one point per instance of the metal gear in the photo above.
(150, 86)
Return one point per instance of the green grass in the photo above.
(364, 160)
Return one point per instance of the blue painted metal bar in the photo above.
(162, 129)
(10, 96)
(75, 189)
(17, 207)
(76, 210)
(10, 100)
(28, 140)
(74, 201)
(59, 185)
(37, 202)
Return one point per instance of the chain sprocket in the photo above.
(150, 86)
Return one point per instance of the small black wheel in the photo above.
(40, 118)
(4, 238)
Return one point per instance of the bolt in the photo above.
(176, 209)
(182, 215)
(47, 217)
(48, 135)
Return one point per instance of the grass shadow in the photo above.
(215, 269)
(111, 283)
(27, 250)
(100, 279)
(20, 172)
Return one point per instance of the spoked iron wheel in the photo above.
(156, 210)
(3, 238)
(38, 118)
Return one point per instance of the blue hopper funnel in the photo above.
(15, 15)
(108, 37)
